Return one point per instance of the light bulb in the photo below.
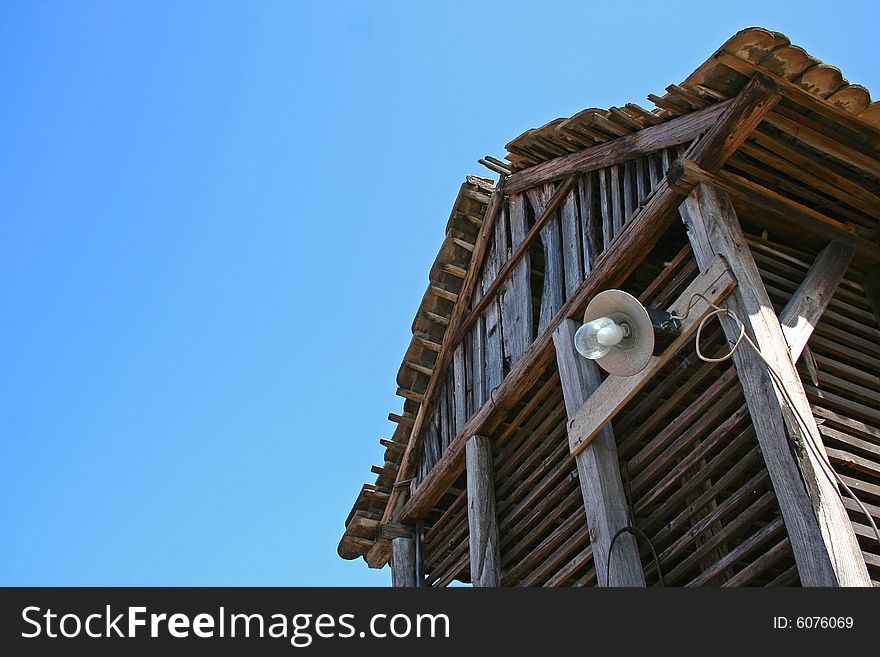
(587, 340)
(609, 335)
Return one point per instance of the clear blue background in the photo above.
(216, 221)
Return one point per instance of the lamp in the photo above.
(619, 332)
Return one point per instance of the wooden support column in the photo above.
(482, 523)
(824, 546)
(598, 470)
(403, 562)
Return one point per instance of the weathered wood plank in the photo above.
(641, 173)
(460, 377)
(516, 296)
(654, 172)
(551, 239)
(629, 189)
(493, 366)
(598, 469)
(715, 283)
(478, 384)
(591, 237)
(446, 421)
(605, 208)
(806, 305)
(647, 140)
(572, 253)
(824, 545)
(617, 215)
(403, 562)
(482, 523)
(450, 405)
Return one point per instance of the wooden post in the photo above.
(824, 546)
(482, 523)
(598, 470)
(403, 562)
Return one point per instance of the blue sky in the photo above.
(216, 221)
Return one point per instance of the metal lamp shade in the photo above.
(630, 357)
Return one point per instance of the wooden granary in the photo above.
(516, 462)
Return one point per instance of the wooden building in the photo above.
(516, 462)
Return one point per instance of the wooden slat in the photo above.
(417, 397)
(617, 215)
(492, 365)
(605, 207)
(460, 392)
(516, 296)
(549, 513)
(552, 293)
(591, 238)
(806, 169)
(572, 253)
(426, 341)
(742, 551)
(482, 524)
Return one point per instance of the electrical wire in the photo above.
(830, 473)
(632, 529)
(638, 533)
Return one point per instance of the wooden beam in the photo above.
(744, 114)
(598, 470)
(600, 407)
(648, 140)
(403, 562)
(482, 523)
(806, 305)
(404, 420)
(685, 174)
(822, 539)
(623, 255)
